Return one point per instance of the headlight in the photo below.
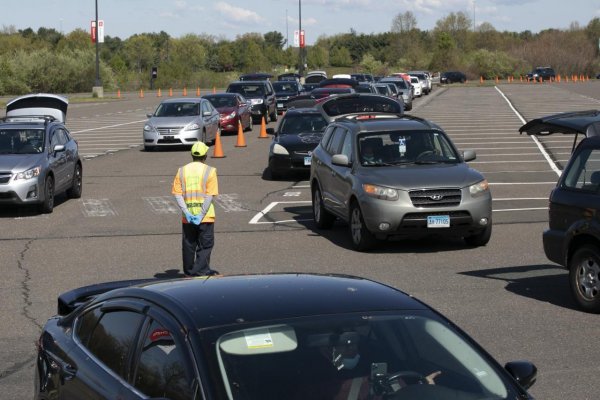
(380, 192)
(256, 101)
(479, 188)
(232, 115)
(30, 173)
(279, 149)
(148, 128)
(192, 127)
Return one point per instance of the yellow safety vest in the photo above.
(194, 177)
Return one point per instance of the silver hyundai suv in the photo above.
(397, 175)
(38, 156)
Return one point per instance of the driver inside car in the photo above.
(351, 375)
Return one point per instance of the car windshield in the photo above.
(21, 141)
(285, 87)
(247, 90)
(361, 104)
(302, 123)
(182, 109)
(222, 101)
(388, 353)
(405, 147)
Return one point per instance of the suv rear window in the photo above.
(360, 104)
(247, 90)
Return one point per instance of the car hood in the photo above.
(411, 176)
(19, 162)
(171, 121)
(308, 140)
(39, 104)
(225, 110)
(585, 122)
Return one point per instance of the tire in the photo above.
(250, 124)
(323, 218)
(148, 148)
(204, 137)
(274, 116)
(482, 238)
(275, 176)
(362, 238)
(584, 277)
(74, 192)
(47, 205)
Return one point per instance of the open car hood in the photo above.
(584, 122)
(38, 105)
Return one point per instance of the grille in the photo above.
(4, 177)
(446, 197)
(169, 131)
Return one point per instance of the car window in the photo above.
(162, 370)
(347, 147)
(206, 107)
(326, 136)
(21, 141)
(293, 124)
(177, 109)
(584, 171)
(358, 104)
(112, 337)
(336, 140)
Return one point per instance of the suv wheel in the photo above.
(273, 116)
(584, 277)
(362, 239)
(482, 238)
(48, 204)
(250, 124)
(74, 191)
(323, 219)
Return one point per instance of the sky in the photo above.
(229, 18)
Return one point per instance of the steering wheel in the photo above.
(389, 383)
(426, 153)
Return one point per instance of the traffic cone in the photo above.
(170, 92)
(141, 93)
(118, 93)
(218, 147)
(214, 90)
(263, 129)
(241, 140)
(481, 79)
(198, 91)
(158, 94)
(184, 91)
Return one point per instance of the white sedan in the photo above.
(417, 85)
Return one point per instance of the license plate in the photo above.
(168, 137)
(307, 160)
(280, 105)
(438, 221)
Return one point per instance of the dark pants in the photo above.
(197, 244)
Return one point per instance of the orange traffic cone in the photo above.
(481, 79)
(184, 91)
(158, 94)
(118, 93)
(214, 90)
(198, 91)
(141, 93)
(263, 129)
(241, 140)
(218, 148)
(170, 92)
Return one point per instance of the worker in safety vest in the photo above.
(194, 188)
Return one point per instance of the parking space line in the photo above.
(255, 220)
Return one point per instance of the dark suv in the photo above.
(397, 176)
(573, 237)
(542, 74)
(261, 96)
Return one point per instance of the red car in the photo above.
(233, 109)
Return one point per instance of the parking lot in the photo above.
(126, 225)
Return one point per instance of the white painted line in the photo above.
(268, 208)
(535, 139)
(162, 205)
(229, 203)
(520, 198)
(98, 208)
(521, 209)
(521, 183)
(291, 194)
(110, 126)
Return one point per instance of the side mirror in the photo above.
(468, 155)
(523, 371)
(149, 115)
(206, 114)
(58, 147)
(341, 160)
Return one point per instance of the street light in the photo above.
(301, 52)
(98, 82)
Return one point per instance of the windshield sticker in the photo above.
(402, 145)
(259, 339)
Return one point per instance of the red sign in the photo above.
(302, 38)
(93, 31)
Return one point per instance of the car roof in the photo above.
(249, 83)
(217, 301)
(184, 100)
(375, 122)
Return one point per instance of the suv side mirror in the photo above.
(468, 155)
(341, 160)
(523, 371)
(58, 147)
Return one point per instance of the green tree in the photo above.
(317, 57)
(274, 39)
(139, 52)
(457, 25)
(340, 57)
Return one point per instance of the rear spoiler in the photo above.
(69, 301)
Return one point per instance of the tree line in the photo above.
(49, 61)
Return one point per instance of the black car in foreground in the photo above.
(297, 135)
(279, 336)
(573, 237)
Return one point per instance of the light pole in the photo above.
(98, 83)
(301, 49)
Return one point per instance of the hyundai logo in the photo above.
(436, 197)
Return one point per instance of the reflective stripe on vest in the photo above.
(193, 187)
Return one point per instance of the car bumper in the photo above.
(288, 163)
(554, 246)
(258, 110)
(229, 124)
(21, 192)
(400, 218)
(154, 138)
